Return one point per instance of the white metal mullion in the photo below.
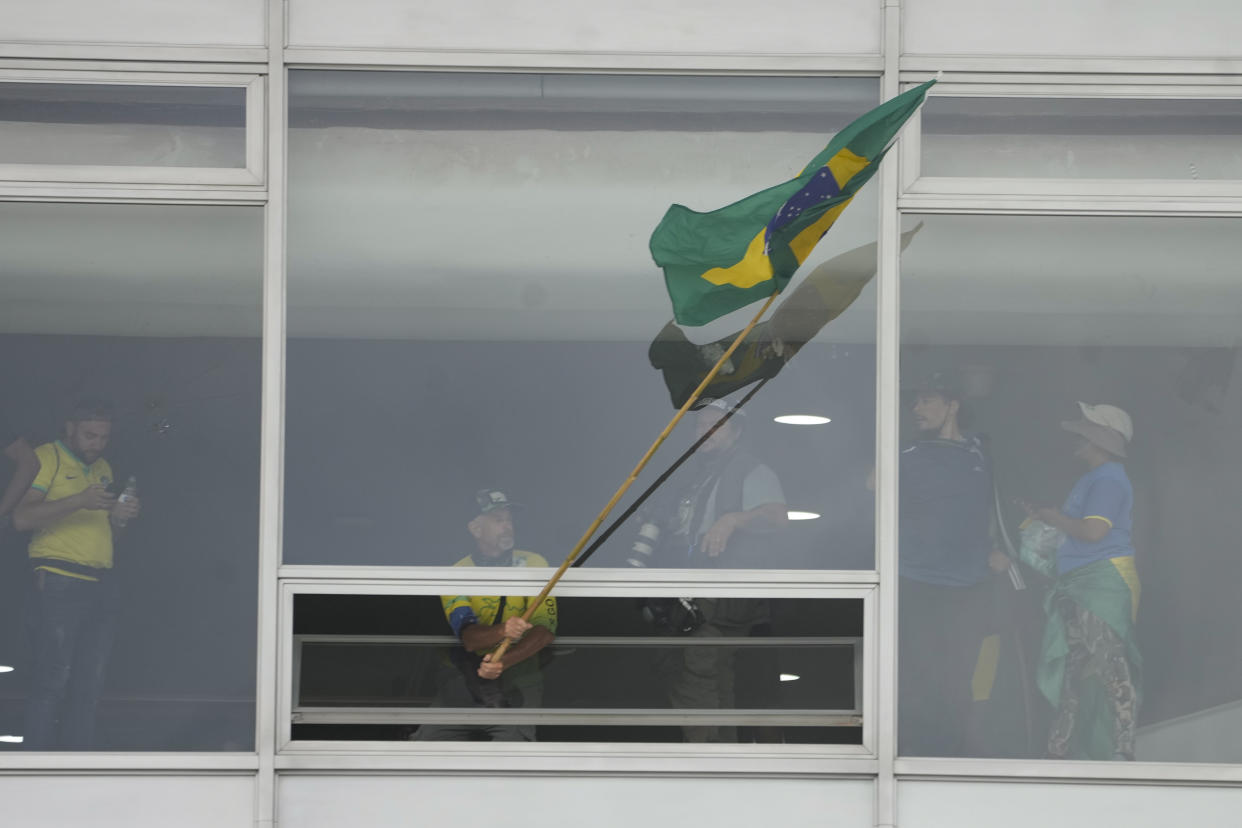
(888, 356)
(271, 464)
(256, 129)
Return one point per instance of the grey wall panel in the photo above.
(119, 801)
(145, 22)
(549, 802)
(1068, 805)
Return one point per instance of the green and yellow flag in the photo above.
(720, 261)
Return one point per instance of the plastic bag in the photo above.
(1039, 546)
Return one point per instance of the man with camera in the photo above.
(724, 517)
(75, 519)
(481, 622)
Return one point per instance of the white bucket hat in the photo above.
(1108, 426)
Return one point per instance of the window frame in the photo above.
(564, 756)
(1063, 194)
(251, 175)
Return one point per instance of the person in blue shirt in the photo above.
(1090, 662)
(948, 630)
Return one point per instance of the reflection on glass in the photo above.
(470, 280)
(1085, 366)
(132, 424)
(614, 673)
(115, 125)
(1183, 140)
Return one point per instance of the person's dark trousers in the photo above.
(72, 622)
(941, 630)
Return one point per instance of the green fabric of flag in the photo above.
(825, 293)
(1101, 590)
(717, 262)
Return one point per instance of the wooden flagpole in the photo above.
(629, 481)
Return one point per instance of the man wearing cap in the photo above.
(948, 641)
(726, 516)
(482, 622)
(1090, 662)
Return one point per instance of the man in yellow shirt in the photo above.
(74, 517)
(481, 622)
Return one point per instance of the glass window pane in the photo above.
(133, 336)
(1010, 324)
(472, 304)
(1184, 140)
(122, 125)
(610, 675)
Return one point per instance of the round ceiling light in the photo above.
(802, 419)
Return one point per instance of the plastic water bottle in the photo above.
(127, 494)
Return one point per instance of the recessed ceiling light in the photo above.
(802, 419)
(4, 668)
(789, 677)
(803, 515)
(17, 739)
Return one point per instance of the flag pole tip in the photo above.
(940, 75)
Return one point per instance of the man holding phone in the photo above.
(74, 518)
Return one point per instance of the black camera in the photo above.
(680, 616)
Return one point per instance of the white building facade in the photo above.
(340, 264)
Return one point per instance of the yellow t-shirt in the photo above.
(83, 537)
(461, 610)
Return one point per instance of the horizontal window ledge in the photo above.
(131, 51)
(578, 759)
(432, 580)
(1111, 188)
(1064, 204)
(303, 57)
(605, 640)
(563, 716)
(920, 67)
(158, 762)
(82, 192)
(1039, 770)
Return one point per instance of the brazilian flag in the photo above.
(720, 261)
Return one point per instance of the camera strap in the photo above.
(500, 611)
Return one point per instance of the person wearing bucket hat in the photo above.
(472, 678)
(1090, 663)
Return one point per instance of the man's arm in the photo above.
(35, 511)
(1090, 529)
(27, 466)
(530, 644)
(765, 516)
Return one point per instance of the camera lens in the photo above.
(644, 545)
